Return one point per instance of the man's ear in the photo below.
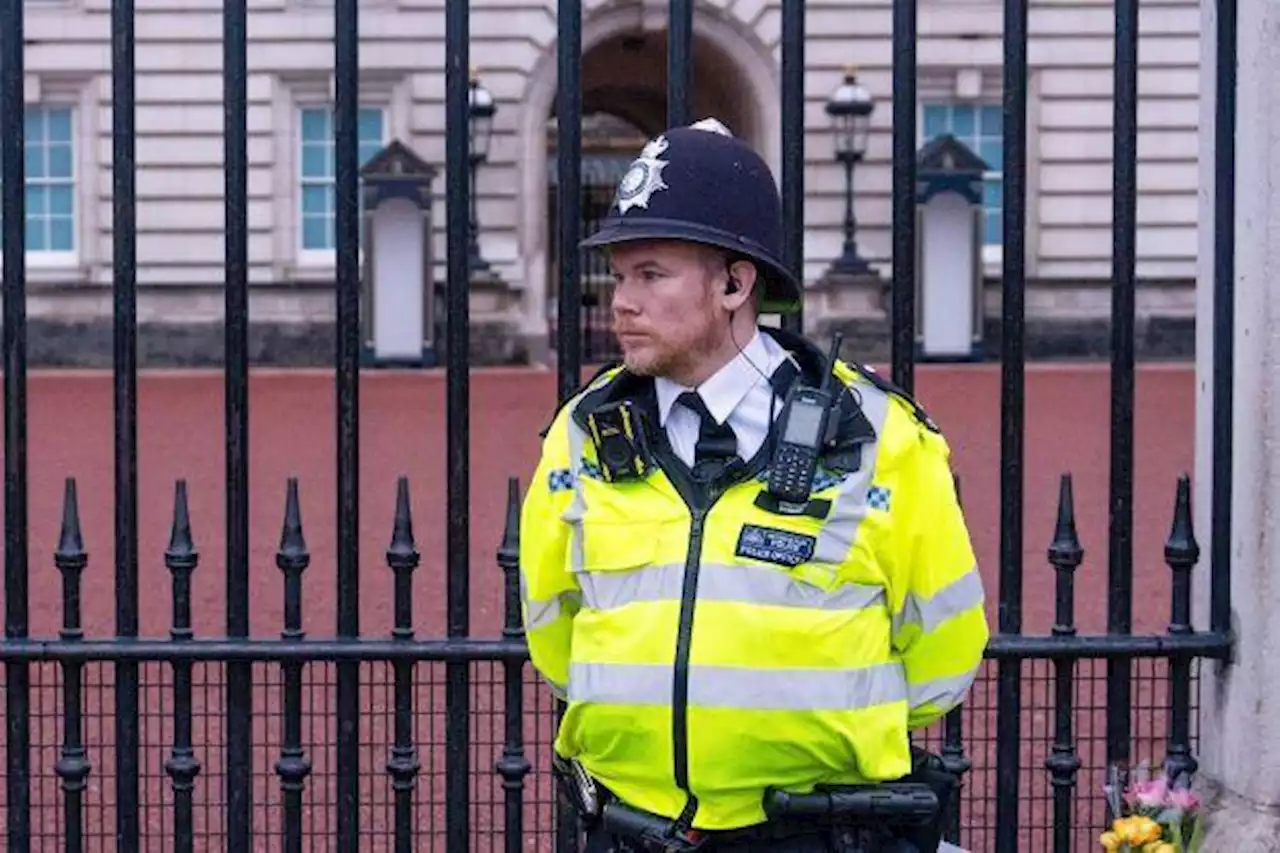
(742, 273)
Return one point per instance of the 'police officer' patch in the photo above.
(770, 545)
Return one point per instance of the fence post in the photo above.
(512, 766)
(73, 763)
(1065, 555)
(13, 249)
(1012, 417)
(292, 559)
(1181, 553)
(402, 559)
(457, 405)
(181, 559)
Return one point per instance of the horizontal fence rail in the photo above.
(184, 676)
(401, 742)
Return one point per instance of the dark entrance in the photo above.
(609, 143)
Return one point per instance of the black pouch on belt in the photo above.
(927, 769)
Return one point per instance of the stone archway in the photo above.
(734, 79)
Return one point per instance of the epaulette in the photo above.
(889, 387)
(585, 386)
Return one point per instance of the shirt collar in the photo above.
(725, 389)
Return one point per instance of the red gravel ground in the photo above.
(402, 428)
(402, 431)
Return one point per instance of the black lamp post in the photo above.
(850, 108)
(480, 110)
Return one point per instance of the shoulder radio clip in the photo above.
(802, 432)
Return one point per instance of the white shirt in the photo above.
(737, 392)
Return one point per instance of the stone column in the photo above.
(1240, 702)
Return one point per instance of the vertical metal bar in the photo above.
(791, 176)
(1181, 553)
(952, 753)
(124, 254)
(679, 62)
(902, 317)
(292, 558)
(346, 61)
(512, 766)
(182, 766)
(402, 559)
(1065, 555)
(73, 763)
(954, 761)
(1124, 235)
(569, 226)
(1012, 407)
(239, 708)
(1224, 298)
(569, 196)
(13, 245)
(458, 395)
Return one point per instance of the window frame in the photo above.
(291, 91)
(992, 253)
(77, 93)
(58, 257)
(309, 256)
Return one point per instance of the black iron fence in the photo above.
(352, 742)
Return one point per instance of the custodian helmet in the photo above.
(703, 185)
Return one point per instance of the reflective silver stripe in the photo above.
(850, 505)
(955, 598)
(577, 507)
(717, 582)
(540, 614)
(740, 687)
(556, 690)
(944, 693)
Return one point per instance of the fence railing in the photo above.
(300, 740)
(404, 774)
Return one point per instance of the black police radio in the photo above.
(802, 430)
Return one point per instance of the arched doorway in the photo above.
(624, 104)
(609, 142)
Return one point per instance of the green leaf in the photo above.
(1197, 836)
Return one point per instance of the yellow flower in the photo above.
(1161, 847)
(1144, 830)
(1110, 842)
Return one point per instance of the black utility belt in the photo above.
(903, 805)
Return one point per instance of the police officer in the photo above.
(713, 642)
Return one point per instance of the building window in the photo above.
(981, 128)
(51, 180)
(318, 211)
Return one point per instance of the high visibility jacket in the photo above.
(708, 646)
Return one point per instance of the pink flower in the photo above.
(1184, 799)
(1151, 794)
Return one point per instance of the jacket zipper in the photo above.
(684, 640)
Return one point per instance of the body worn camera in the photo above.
(620, 442)
(802, 427)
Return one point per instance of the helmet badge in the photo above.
(644, 178)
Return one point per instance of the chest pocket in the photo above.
(627, 529)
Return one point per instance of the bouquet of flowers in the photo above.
(1154, 814)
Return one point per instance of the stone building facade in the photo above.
(736, 78)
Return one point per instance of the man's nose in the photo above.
(623, 299)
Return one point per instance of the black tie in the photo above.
(717, 443)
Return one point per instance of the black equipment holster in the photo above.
(863, 818)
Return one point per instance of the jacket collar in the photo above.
(851, 426)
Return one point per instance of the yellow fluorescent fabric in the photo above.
(815, 645)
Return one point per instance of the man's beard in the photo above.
(673, 359)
